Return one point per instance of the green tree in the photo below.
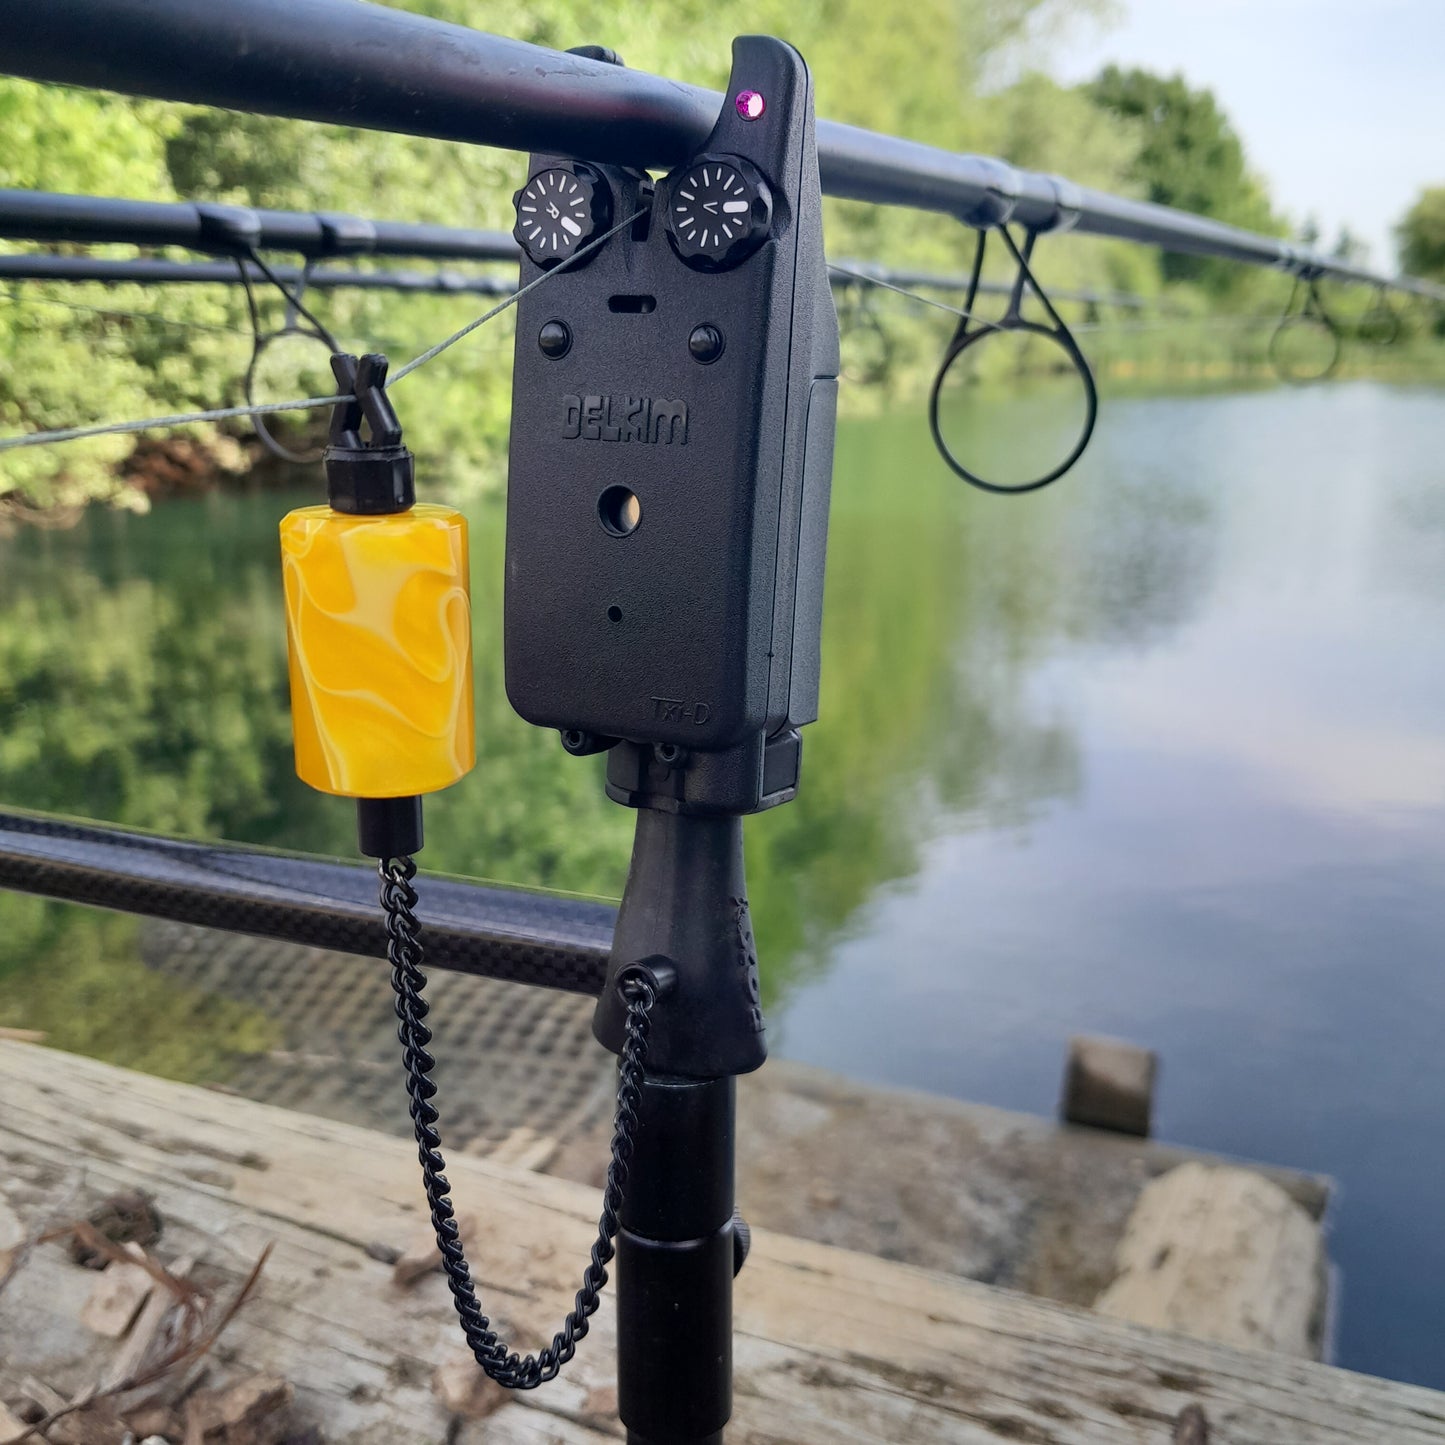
(1352, 249)
(1190, 157)
(1037, 124)
(1421, 235)
(83, 142)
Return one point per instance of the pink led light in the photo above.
(750, 104)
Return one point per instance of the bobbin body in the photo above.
(378, 628)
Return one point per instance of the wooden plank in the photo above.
(1016, 1200)
(833, 1348)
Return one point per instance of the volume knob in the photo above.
(559, 210)
(719, 211)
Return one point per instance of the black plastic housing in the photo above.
(676, 1255)
(369, 472)
(699, 628)
(686, 902)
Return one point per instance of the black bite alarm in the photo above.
(673, 412)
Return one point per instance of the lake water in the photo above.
(1158, 752)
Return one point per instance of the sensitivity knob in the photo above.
(719, 210)
(559, 210)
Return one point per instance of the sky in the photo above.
(1340, 103)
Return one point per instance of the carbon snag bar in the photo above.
(667, 505)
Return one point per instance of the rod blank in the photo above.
(38, 266)
(223, 273)
(199, 226)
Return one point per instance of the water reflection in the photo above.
(142, 682)
(1247, 875)
(1154, 752)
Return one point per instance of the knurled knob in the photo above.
(719, 211)
(559, 210)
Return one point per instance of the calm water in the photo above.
(1159, 752)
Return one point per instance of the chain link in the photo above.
(497, 1359)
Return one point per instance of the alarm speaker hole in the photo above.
(619, 511)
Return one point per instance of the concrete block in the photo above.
(1222, 1254)
(1109, 1084)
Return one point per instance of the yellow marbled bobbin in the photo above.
(379, 632)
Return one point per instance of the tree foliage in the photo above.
(1421, 235)
(79, 354)
(1190, 157)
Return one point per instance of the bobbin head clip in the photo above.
(368, 469)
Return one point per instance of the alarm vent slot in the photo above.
(633, 305)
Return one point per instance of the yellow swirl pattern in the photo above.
(379, 632)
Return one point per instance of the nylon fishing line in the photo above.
(913, 296)
(159, 423)
(12, 294)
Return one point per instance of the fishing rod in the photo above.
(98, 220)
(24, 215)
(45, 266)
(152, 272)
(149, 272)
(53, 217)
(225, 229)
(347, 62)
(854, 282)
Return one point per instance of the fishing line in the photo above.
(1179, 323)
(13, 294)
(915, 296)
(262, 341)
(1084, 328)
(228, 413)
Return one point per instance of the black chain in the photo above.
(505, 1366)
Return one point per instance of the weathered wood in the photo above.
(12, 1237)
(116, 1298)
(10, 1427)
(832, 1348)
(1223, 1254)
(1008, 1198)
